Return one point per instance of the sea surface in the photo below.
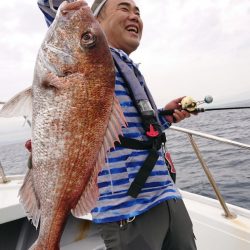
(229, 164)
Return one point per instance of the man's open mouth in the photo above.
(133, 29)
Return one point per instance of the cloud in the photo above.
(22, 29)
(188, 46)
(191, 27)
(195, 47)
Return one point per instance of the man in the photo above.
(139, 207)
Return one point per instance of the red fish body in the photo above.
(75, 121)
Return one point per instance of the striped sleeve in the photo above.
(49, 14)
(165, 124)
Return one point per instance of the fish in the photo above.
(76, 120)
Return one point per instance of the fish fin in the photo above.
(58, 82)
(90, 195)
(29, 200)
(19, 105)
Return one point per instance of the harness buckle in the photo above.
(152, 132)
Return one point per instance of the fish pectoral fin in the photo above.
(58, 82)
(29, 200)
(19, 105)
(90, 195)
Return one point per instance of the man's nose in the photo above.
(133, 16)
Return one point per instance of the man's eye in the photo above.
(125, 9)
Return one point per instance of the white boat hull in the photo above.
(211, 228)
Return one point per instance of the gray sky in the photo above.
(189, 47)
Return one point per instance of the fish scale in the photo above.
(76, 119)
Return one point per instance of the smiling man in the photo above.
(140, 207)
(122, 24)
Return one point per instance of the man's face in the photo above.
(122, 24)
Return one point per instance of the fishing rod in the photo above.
(213, 109)
(190, 105)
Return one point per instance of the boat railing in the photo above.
(191, 133)
(2, 175)
(7, 178)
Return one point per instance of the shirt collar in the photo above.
(124, 56)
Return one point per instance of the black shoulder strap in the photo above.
(139, 92)
(136, 84)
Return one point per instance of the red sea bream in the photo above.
(75, 121)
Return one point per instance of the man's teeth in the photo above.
(133, 29)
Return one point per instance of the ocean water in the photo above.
(229, 165)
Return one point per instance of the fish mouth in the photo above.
(72, 6)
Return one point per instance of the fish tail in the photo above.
(51, 223)
(51, 229)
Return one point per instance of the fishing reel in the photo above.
(190, 105)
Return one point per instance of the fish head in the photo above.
(75, 41)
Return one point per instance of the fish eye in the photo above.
(86, 36)
(88, 39)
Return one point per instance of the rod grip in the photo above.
(166, 112)
(170, 112)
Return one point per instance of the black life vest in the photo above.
(146, 107)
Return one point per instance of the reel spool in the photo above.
(189, 104)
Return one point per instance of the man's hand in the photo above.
(178, 114)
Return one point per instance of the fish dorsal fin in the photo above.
(90, 195)
(19, 105)
(28, 198)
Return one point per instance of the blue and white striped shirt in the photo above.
(122, 164)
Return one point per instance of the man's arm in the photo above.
(49, 14)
